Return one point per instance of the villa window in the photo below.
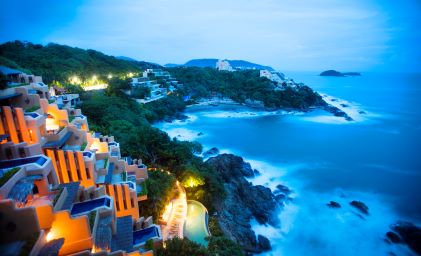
(9, 154)
(88, 174)
(35, 190)
(22, 153)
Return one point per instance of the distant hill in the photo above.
(211, 63)
(140, 62)
(59, 62)
(337, 73)
(172, 65)
(125, 58)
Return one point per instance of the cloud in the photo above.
(310, 35)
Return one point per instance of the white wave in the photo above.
(308, 225)
(241, 114)
(352, 109)
(182, 133)
(326, 119)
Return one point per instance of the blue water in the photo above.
(40, 160)
(144, 235)
(90, 205)
(375, 160)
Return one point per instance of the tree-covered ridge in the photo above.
(59, 62)
(242, 86)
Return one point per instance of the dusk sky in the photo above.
(359, 35)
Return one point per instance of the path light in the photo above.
(74, 80)
(110, 76)
(193, 182)
(50, 236)
(94, 77)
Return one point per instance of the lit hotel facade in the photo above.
(65, 189)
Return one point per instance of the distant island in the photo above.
(337, 73)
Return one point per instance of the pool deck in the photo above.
(177, 217)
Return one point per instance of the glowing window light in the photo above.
(95, 146)
(51, 124)
(50, 236)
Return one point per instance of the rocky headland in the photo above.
(245, 202)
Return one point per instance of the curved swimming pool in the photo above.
(196, 225)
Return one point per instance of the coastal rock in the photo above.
(243, 202)
(256, 172)
(393, 237)
(333, 204)
(181, 117)
(337, 112)
(264, 243)
(211, 152)
(230, 166)
(360, 206)
(280, 198)
(261, 202)
(410, 234)
(282, 189)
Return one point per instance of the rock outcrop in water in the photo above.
(333, 204)
(243, 203)
(360, 206)
(337, 112)
(406, 232)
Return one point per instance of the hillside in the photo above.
(242, 86)
(59, 62)
(211, 63)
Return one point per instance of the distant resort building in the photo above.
(223, 65)
(157, 83)
(278, 78)
(273, 76)
(65, 190)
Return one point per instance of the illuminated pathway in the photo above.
(175, 213)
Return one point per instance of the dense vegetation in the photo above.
(56, 62)
(220, 246)
(111, 112)
(241, 86)
(129, 123)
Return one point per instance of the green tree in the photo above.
(182, 247)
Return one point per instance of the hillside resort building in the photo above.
(160, 83)
(224, 65)
(64, 189)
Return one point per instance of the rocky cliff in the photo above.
(244, 202)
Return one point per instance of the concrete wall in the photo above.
(70, 167)
(75, 231)
(17, 223)
(125, 200)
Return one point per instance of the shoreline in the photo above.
(339, 109)
(332, 221)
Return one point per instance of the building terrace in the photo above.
(64, 189)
